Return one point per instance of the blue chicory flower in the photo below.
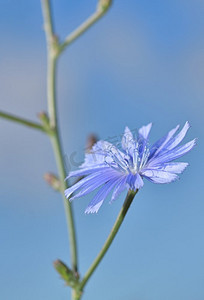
(114, 169)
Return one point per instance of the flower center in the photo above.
(132, 161)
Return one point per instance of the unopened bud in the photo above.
(43, 117)
(44, 120)
(65, 273)
(104, 4)
(91, 140)
(53, 181)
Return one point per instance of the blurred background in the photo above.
(143, 62)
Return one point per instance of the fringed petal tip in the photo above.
(188, 123)
(93, 208)
(127, 131)
(145, 130)
(192, 143)
(195, 141)
(183, 166)
(67, 194)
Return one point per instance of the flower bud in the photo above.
(91, 140)
(104, 4)
(45, 121)
(65, 273)
(53, 181)
(43, 117)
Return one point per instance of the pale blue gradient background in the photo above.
(143, 62)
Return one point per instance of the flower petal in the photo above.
(161, 143)
(79, 184)
(173, 154)
(134, 181)
(145, 130)
(97, 154)
(157, 176)
(127, 139)
(101, 147)
(119, 188)
(95, 183)
(143, 139)
(178, 139)
(176, 167)
(86, 171)
(88, 179)
(138, 181)
(97, 201)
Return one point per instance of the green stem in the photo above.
(67, 206)
(84, 26)
(52, 46)
(51, 88)
(22, 121)
(52, 55)
(76, 295)
(129, 198)
(48, 21)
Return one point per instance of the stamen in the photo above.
(145, 156)
(117, 161)
(128, 162)
(135, 157)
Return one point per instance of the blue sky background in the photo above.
(142, 62)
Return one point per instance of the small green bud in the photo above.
(53, 181)
(104, 4)
(66, 274)
(43, 117)
(45, 121)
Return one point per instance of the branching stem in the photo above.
(21, 121)
(82, 28)
(52, 53)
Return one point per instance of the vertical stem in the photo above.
(67, 206)
(51, 88)
(48, 21)
(76, 295)
(52, 54)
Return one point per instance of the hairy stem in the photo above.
(129, 198)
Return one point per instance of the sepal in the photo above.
(71, 278)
